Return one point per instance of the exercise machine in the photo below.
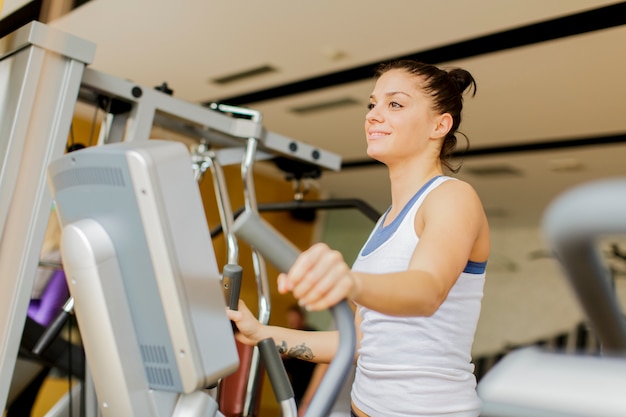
(44, 75)
(261, 235)
(239, 393)
(141, 269)
(531, 382)
(146, 288)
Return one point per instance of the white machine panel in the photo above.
(144, 197)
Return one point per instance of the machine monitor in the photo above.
(132, 212)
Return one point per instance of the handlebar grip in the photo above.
(275, 370)
(231, 284)
(268, 241)
(259, 234)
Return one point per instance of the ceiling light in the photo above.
(334, 54)
(493, 171)
(325, 105)
(242, 75)
(566, 165)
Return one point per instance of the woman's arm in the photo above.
(452, 228)
(313, 346)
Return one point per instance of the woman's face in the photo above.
(400, 120)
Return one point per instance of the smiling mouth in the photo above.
(376, 134)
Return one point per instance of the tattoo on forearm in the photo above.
(300, 351)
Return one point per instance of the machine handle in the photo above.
(572, 224)
(275, 370)
(259, 234)
(231, 284)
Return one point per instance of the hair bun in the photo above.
(462, 79)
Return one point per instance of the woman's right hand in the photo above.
(250, 329)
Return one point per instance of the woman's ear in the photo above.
(443, 125)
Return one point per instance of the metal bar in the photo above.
(215, 125)
(333, 204)
(45, 75)
(224, 207)
(109, 85)
(573, 223)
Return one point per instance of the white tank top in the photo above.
(417, 366)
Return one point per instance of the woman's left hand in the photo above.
(319, 279)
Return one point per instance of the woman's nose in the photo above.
(373, 115)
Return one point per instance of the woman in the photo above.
(418, 281)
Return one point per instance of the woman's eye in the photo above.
(370, 106)
(395, 105)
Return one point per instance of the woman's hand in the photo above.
(319, 278)
(250, 329)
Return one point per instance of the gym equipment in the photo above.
(32, 366)
(531, 382)
(263, 290)
(144, 280)
(574, 223)
(35, 119)
(238, 393)
(40, 75)
(328, 204)
(147, 293)
(282, 254)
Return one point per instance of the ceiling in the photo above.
(549, 113)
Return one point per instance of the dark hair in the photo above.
(446, 89)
